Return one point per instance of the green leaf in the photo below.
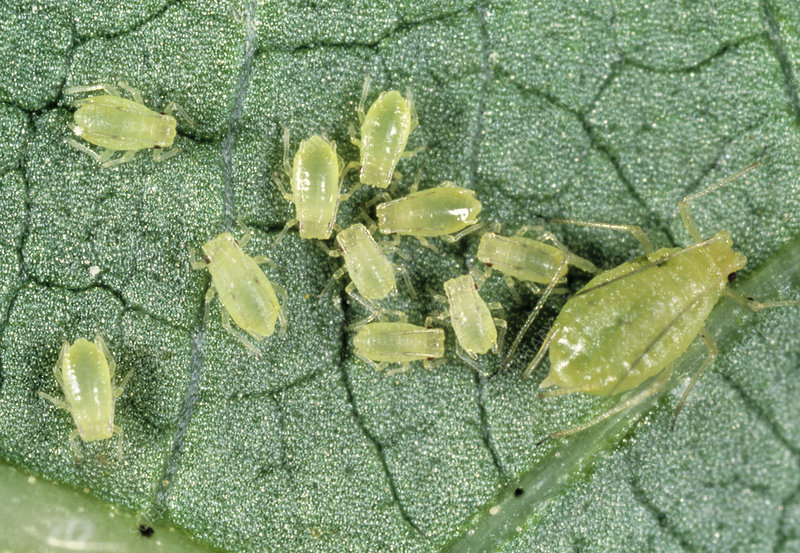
(590, 110)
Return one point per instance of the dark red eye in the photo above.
(732, 276)
(488, 264)
(156, 147)
(207, 259)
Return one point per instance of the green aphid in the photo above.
(381, 344)
(118, 124)
(85, 373)
(247, 296)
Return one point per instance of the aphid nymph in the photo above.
(380, 344)
(384, 133)
(118, 124)
(629, 324)
(85, 373)
(247, 296)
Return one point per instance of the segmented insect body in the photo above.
(470, 316)
(392, 342)
(85, 371)
(630, 323)
(315, 179)
(384, 133)
(118, 124)
(247, 296)
(439, 211)
(369, 269)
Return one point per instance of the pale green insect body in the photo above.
(369, 269)
(520, 257)
(315, 179)
(438, 211)
(398, 342)
(247, 296)
(85, 373)
(470, 317)
(630, 322)
(121, 124)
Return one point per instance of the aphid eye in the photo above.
(518, 492)
(206, 259)
(145, 531)
(156, 147)
(732, 276)
(488, 264)
(476, 286)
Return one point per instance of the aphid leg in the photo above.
(429, 364)
(88, 151)
(683, 205)
(627, 404)
(355, 141)
(287, 164)
(132, 91)
(382, 197)
(210, 293)
(502, 327)
(281, 186)
(363, 100)
(117, 430)
(339, 273)
(711, 346)
(558, 275)
(289, 224)
(413, 109)
(368, 361)
(124, 158)
(393, 247)
(109, 89)
(510, 285)
(635, 230)
(173, 108)
(403, 368)
(226, 324)
(353, 164)
(424, 242)
(247, 234)
(119, 390)
(264, 260)
(403, 272)
(57, 368)
(467, 358)
(539, 356)
(461, 234)
(343, 197)
(281, 315)
(368, 305)
(750, 303)
(411, 153)
(54, 400)
(572, 259)
(160, 154)
(73, 444)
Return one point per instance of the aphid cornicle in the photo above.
(471, 318)
(85, 373)
(532, 262)
(118, 124)
(439, 211)
(315, 177)
(247, 296)
(384, 133)
(371, 273)
(379, 344)
(629, 324)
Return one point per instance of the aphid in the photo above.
(384, 133)
(247, 296)
(371, 273)
(85, 373)
(630, 323)
(119, 124)
(532, 262)
(439, 211)
(379, 344)
(471, 318)
(315, 178)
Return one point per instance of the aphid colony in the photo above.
(622, 330)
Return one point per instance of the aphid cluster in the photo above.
(621, 331)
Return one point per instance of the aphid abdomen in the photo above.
(610, 338)
(120, 124)
(87, 390)
(315, 187)
(370, 271)
(384, 134)
(520, 257)
(244, 290)
(432, 212)
(399, 342)
(471, 318)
